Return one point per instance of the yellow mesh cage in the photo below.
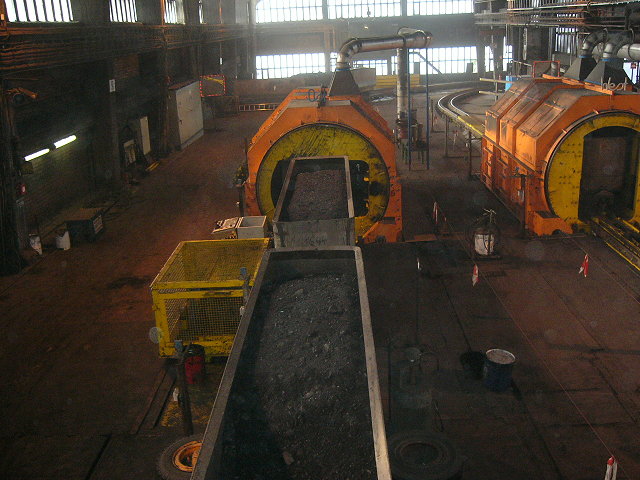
(198, 294)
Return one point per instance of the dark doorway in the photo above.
(609, 173)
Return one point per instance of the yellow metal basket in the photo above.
(198, 293)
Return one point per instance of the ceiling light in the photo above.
(37, 154)
(63, 141)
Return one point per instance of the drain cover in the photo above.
(423, 455)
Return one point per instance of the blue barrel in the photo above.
(498, 365)
(510, 79)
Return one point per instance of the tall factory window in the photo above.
(173, 11)
(507, 57)
(39, 11)
(123, 11)
(381, 65)
(282, 66)
(363, 8)
(288, 10)
(439, 7)
(566, 40)
(441, 60)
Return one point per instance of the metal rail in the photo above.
(621, 236)
(447, 106)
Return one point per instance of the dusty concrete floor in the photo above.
(83, 388)
(78, 366)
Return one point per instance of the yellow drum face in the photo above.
(326, 139)
(564, 168)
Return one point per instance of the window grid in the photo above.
(363, 8)
(441, 60)
(507, 56)
(283, 66)
(39, 10)
(123, 11)
(565, 40)
(381, 65)
(173, 12)
(288, 10)
(439, 7)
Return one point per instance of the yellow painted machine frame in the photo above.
(199, 291)
(532, 151)
(342, 126)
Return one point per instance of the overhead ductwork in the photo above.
(614, 43)
(343, 83)
(630, 51)
(406, 38)
(591, 42)
(609, 69)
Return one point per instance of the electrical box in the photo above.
(185, 114)
(87, 223)
(141, 127)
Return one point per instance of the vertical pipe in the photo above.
(401, 88)
(409, 119)
(427, 123)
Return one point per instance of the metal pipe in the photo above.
(630, 51)
(614, 43)
(406, 38)
(402, 87)
(590, 42)
(409, 120)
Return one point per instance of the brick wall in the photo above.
(126, 67)
(60, 178)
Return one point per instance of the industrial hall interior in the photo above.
(241, 239)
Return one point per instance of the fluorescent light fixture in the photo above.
(37, 154)
(64, 141)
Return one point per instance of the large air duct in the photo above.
(406, 38)
(591, 42)
(402, 89)
(585, 68)
(614, 44)
(630, 51)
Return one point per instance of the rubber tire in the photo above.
(165, 466)
(446, 466)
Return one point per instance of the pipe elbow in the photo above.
(615, 43)
(591, 41)
(348, 49)
(414, 38)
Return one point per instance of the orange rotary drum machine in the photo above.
(559, 151)
(309, 123)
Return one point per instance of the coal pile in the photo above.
(319, 195)
(299, 406)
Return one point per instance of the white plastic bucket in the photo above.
(63, 241)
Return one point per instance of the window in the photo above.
(441, 60)
(507, 56)
(173, 12)
(288, 10)
(200, 14)
(439, 7)
(39, 10)
(363, 8)
(123, 11)
(381, 65)
(282, 66)
(565, 40)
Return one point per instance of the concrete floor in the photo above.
(84, 389)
